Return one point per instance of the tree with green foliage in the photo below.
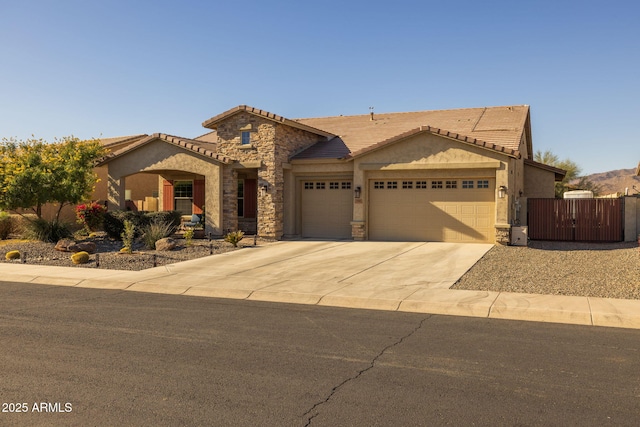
(34, 172)
(573, 174)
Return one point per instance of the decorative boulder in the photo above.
(63, 245)
(166, 244)
(88, 247)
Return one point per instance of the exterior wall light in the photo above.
(263, 189)
(358, 192)
(502, 191)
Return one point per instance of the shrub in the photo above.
(80, 258)
(234, 238)
(156, 231)
(6, 225)
(90, 215)
(128, 234)
(188, 236)
(113, 223)
(47, 231)
(11, 255)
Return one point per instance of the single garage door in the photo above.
(327, 208)
(438, 210)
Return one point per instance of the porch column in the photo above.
(115, 192)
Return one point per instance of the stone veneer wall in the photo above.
(271, 145)
(503, 235)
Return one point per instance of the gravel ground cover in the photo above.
(110, 258)
(606, 270)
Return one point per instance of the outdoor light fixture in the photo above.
(263, 189)
(502, 191)
(358, 191)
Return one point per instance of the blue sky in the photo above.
(112, 68)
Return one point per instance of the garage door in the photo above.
(327, 208)
(439, 210)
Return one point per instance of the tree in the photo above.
(34, 172)
(573, 174)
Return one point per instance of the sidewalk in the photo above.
(379, 284)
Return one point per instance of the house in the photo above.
(448, 175)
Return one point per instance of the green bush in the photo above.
(11, 255)
(80, 258)
(47, 231)
(234, 238)
(156, 231)
(6, 225)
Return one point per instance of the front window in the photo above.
(246, 137)
(183, 195)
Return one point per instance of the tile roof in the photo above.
(213, 122)
(499, 126)
(441, 132)
(119, 140)
(206, 149)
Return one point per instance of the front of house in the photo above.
(448, 175)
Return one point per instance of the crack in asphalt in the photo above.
(310, 413)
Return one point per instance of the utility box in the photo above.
(519, 236)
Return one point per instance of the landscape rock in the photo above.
(88, 247)
(166, 244)
(63, 245)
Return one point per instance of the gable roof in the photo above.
(203, 148)
(441, 132)
(499, 128)
(212, 123)
(115, 142)
(559, 173)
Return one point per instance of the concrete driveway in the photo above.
(397, 276)
(320, 272)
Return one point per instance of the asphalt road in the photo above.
(73, 356)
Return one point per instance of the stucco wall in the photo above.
(632, 219)
(538, 183)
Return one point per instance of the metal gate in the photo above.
(580, 220)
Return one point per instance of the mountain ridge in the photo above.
(615, 181)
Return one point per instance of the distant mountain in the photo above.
(616, 181)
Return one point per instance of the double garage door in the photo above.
(440, 210)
